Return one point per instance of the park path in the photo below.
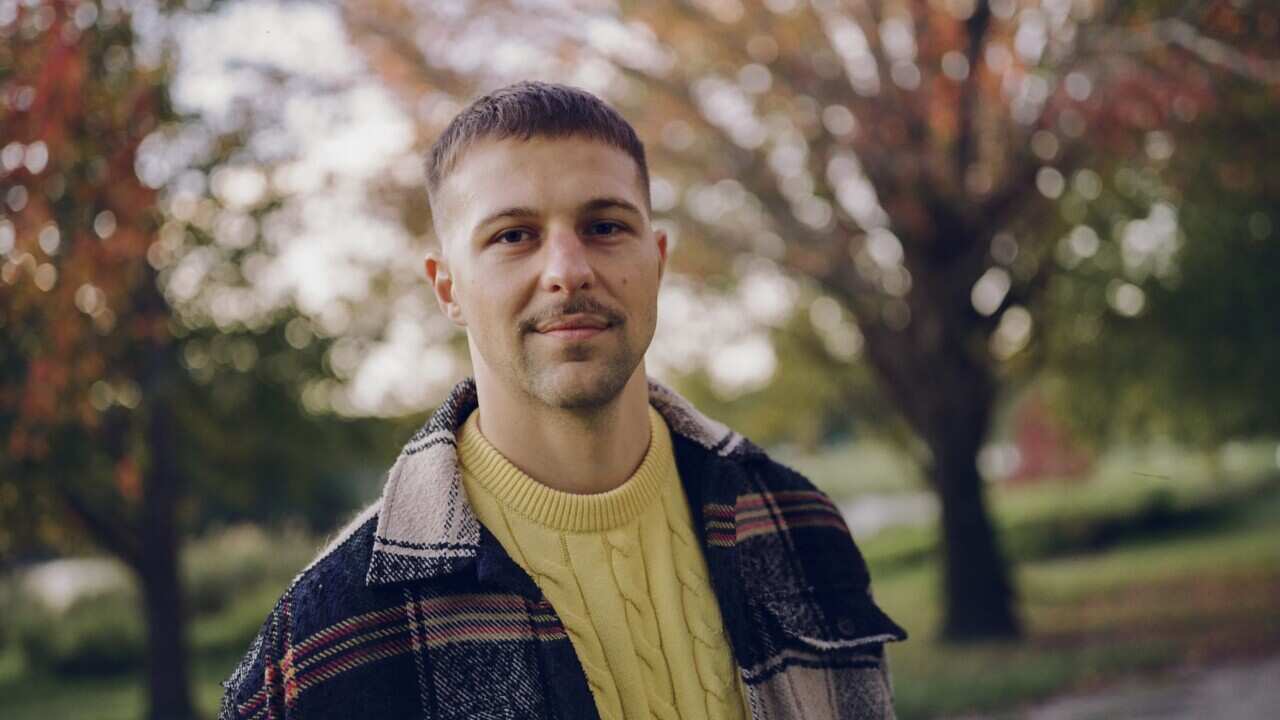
(1237, 691)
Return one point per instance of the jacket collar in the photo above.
(427, 528)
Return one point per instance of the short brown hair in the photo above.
(533, 109)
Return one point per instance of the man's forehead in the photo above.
(538, 173)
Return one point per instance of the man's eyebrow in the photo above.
(593, 205)
(610, 203)
(511, 212)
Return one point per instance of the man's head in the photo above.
(540, 201)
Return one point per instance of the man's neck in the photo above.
(566, 450)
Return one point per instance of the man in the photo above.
(566, 537)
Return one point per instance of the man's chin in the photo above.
(581, 386)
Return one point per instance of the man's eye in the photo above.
(511, 237)
(605, 227)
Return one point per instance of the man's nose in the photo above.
(567, 268)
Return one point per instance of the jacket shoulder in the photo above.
(343, 563)
(328, 591)
(783, 514)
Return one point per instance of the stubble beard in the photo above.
(598, 381)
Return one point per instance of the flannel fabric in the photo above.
(416, 611)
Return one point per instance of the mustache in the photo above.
(581, 305)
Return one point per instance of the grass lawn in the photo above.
(121, 698)
(1206, 595)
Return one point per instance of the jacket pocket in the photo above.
(823, 655)
(828, 619)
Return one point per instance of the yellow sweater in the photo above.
(624, 571)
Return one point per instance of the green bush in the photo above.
(8, 609)
(224, 565)
(100, 634)
(232, 579)
(1055, 521)
(231, 630)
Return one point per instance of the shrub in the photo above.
(223, 565)
(8, 609)
(100, 634)
(230, 631)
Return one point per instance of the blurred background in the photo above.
(1000, 276)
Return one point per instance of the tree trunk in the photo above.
(946, 391)
(169, 685)
(168, 681)
(979, 597)
(956, 412)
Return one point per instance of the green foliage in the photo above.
(1194, 359)
(846, 470)
(228, 632)
(101, 341)
(1173, 599)
(100, 634)
(1074, 518)
(813, 398)
(232, 578)
(254, 454)
(9, 608)
(222, 566)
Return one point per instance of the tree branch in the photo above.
(111, 533)
(370, 26)
(976, 28)
(1179, 33)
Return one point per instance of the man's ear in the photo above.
(437, 268)
(660, 236)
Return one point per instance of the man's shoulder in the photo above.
(804, 575)
(325, 594)
(338, 571)
(786, 522)
(331, 588)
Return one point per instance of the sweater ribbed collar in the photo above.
(483, 465)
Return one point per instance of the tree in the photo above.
(131, 410)
(912, 159)
(1162, 328)
(82, 309)
(806, 396)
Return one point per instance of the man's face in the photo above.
(551, 265)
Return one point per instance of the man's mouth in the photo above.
(575, 333)
(575, 327)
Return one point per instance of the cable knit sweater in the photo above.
(624, 571)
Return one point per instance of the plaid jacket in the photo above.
(416, 611)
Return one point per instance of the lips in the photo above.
(577, 333)
(575, 323)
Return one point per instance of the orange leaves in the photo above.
(80, 308)
(46, 378)
(128, 479)
(24, 444)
